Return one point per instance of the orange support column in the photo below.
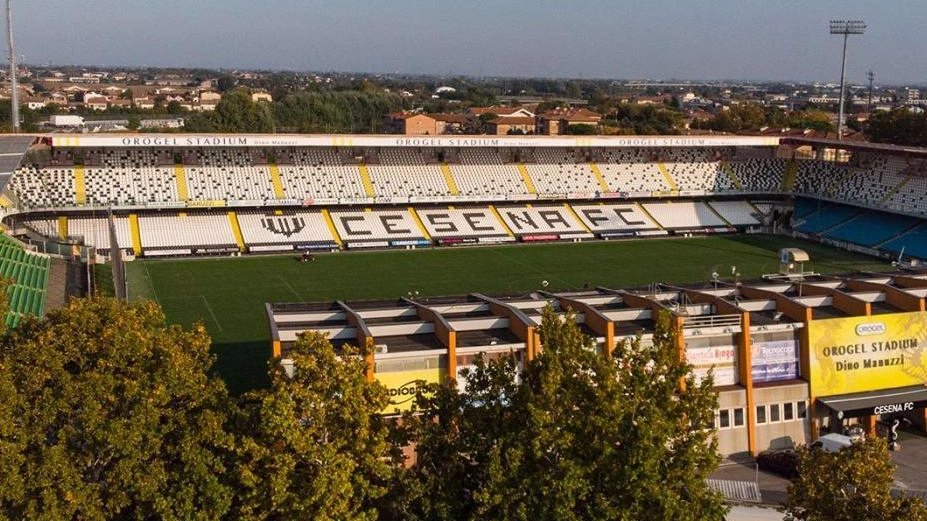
(745, 364)
(369, 358)
(452, 358)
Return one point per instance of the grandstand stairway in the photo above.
(62, 227)
(599, 177)
(729, 172)
(891, 193)
(331, 227)
(791, 174)
(449, 179)
(236, 231)
(669, 178)
(136, 234)
(529, 184)
(495, 211)
(275, 180)
(80, 186)
(181, 178)
(419, 223)
(365, 178)
(57, 290)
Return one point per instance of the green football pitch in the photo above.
(228, 294)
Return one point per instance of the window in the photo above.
(788, 411)
(802, 408)
(760, 414)
(724, 419)
(774, 413)
(738, 417)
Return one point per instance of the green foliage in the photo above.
(314, 446)
(108, 413)
(648, 119)
(584, 436)
(738, 118)
(134, 122)
(580, 129)
(849, 485)
(899, 127)
(811, 119)
(226, 83)
(336, 111)
(237, 113)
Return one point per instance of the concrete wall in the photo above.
(782, 433)
(732, 439)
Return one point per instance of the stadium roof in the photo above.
(409, 325)
(12, 149)
(856, 146)
(355, 140)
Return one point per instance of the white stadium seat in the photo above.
(683, 215)
(461, 222)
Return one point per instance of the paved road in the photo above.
(910, 471)
(754, 514)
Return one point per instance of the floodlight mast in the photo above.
(846, 28)
(14, 89)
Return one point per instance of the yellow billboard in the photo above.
(403, 385)
(857, 354)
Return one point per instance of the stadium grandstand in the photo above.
(134, 196)
(192, 195)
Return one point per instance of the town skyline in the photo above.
(724, 40)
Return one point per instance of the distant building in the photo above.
(412, 124)
(34, 103)
(66, 121)
(162, 123)
(210, 97)
(556, 122)
(261, 96)
(511, 125)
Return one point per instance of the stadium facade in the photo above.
(789, 357)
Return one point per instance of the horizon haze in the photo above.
(748, 40)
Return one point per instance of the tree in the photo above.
(314, 445)
(739, 117)
(226, 83)
(849, 485)
(237, 113)
(108, 413)
(899, 126)
(584, 436)
(580, 129)
(134, 121)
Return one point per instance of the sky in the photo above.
(779, 40)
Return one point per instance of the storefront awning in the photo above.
(874, 403)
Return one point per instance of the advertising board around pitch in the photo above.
(858, 354)
(403, 385)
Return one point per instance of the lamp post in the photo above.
(14, 98)
(846, 28)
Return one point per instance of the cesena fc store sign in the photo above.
(871, 365)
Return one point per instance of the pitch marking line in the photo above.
(211, 313)
(151, 285)
(287, 284)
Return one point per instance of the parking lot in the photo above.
(910, 470)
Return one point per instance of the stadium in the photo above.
(790, 265)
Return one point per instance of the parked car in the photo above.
(781, 461)
(785, 461)
(832, 442)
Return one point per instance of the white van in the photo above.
(832, 442)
